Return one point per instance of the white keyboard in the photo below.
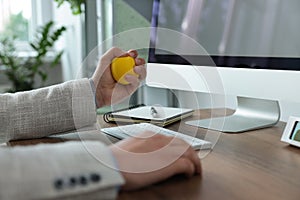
(122, 132)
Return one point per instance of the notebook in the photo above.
(158, 115)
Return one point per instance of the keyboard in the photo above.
(126, 131)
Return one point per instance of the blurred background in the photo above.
(80, 26)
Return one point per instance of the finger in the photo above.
(139, 61)
(196, 160)
(197, 163)
(133, 81)
(113, 53)
(108, 57)
(141, 71)
(183, 166)
(133, 53)
(189, 153)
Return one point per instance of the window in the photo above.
(15, 19)
(21, 18)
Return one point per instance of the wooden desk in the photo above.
(252, 165)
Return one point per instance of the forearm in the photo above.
(58, 171)
(47, 111)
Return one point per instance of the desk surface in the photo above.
(251, 165)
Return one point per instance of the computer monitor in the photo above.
(254, 44)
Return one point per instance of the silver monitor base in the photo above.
(250, 114)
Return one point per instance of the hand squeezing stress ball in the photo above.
(122, 66)
(109, 81)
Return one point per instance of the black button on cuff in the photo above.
(83, 180)
(95, 178)
(58, 184)
(72, 181)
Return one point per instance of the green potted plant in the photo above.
(74, 4)
(22, 72)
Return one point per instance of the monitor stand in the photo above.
(250, 114)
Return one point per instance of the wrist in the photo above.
(94, 91)
(99, 101)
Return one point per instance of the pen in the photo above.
(153, 112)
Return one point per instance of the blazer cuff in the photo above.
(83, 104)
(50, 171)
(94, 91)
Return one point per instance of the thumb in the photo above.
(110, 55)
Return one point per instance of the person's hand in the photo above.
(150, 158)
(108, 91)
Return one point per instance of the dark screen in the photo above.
(260, 34)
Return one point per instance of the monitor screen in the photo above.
(254, 44)
(260, 34)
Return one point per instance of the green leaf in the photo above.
(57, 59)
(59, 2)
(43, 75)
(33, 46)
(75, 5)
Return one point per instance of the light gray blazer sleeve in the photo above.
(76, 170)
(71, 170)
(47, 111)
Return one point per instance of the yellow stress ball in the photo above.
(122, 66)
